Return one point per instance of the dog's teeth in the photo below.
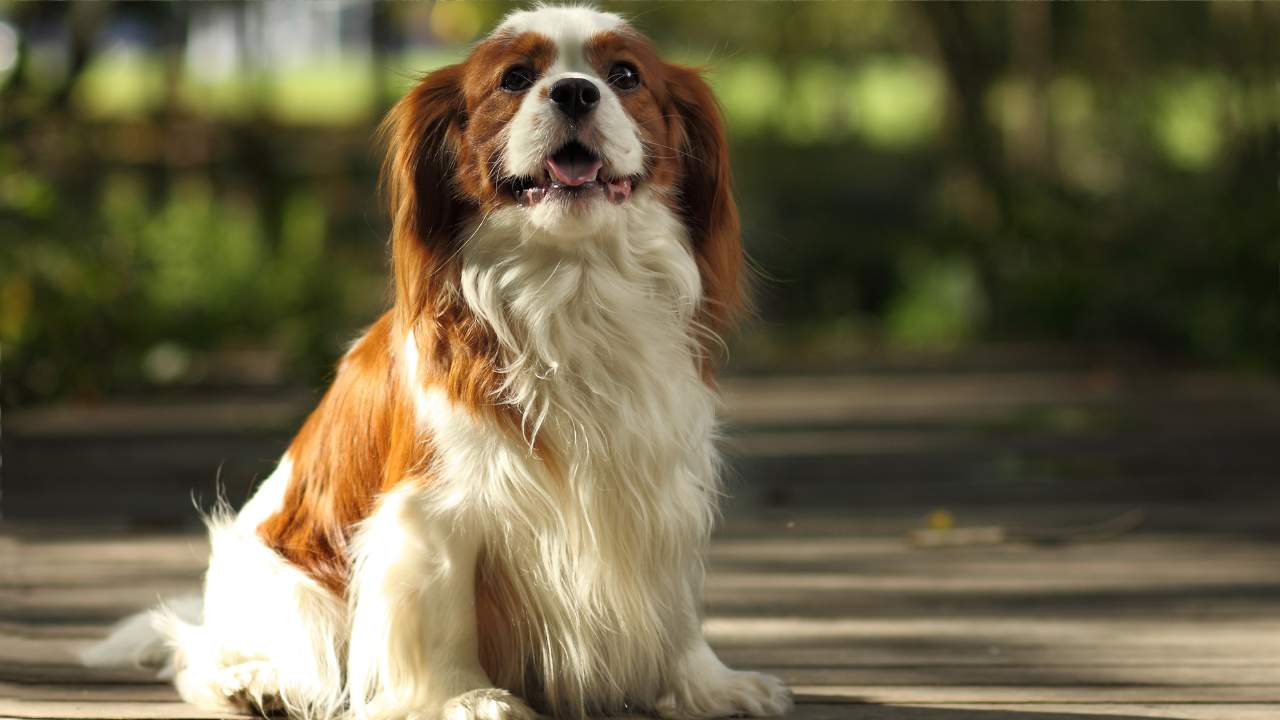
(618, 191)
(531, 196)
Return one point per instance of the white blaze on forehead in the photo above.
(568, 27)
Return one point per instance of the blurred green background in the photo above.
(187, 191)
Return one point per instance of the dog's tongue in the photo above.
(574, 166)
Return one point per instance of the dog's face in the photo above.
(565, 118)
(556, 124)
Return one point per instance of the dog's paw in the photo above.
(726, 694)
(249, 686)
(487, 704)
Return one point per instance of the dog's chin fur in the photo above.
(503, 500)
(559, 223)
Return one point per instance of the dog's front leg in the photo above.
(702, 686)
(413, 652)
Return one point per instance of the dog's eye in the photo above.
(518, 79)
(624, 76)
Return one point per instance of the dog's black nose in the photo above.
(575, 97)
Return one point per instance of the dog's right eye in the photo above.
(518, 79)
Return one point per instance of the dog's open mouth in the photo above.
(573, 171)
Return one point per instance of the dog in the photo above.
(503, 501)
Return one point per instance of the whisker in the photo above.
(465, 242)
(675, 150)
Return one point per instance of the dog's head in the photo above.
(559, 122)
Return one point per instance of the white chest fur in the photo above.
(600, 554)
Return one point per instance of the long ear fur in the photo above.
(422, 133)
(707, 195)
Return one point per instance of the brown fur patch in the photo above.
(706, 197)
(358, 442)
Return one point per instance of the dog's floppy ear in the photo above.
(423, 132)
(706, 191)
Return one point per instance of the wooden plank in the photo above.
(1163, 634)
(70, 708)
(1004, 694)
(1034, 711)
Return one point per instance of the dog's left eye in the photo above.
(624, 76)
(518, 79)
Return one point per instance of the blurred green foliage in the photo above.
(922, 177)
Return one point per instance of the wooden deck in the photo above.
(859, 621)
(1080, 611)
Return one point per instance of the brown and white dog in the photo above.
(503, 500)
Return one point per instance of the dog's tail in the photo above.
(147, 639)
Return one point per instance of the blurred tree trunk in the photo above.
(1032, 46)
(970, 71)
(21, 108)
(83, 22)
